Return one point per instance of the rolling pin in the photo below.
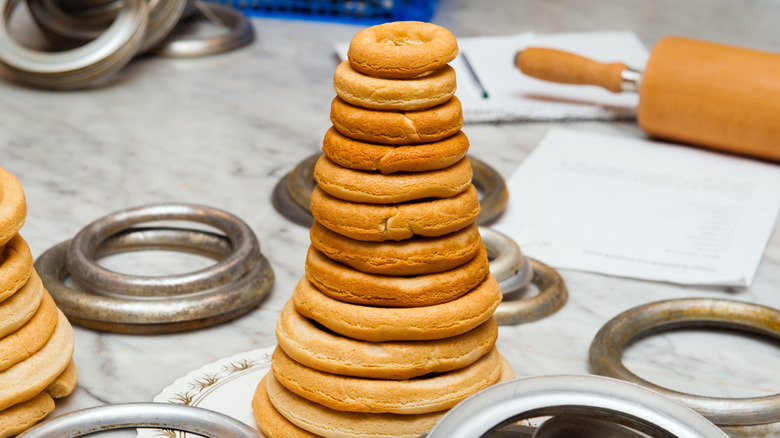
(707, 94)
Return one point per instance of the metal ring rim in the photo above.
(553, 294)
(77, 67)
(83, 267)
(240, 33)
(513, 400)
(605, 354)
(183, 418)
(509, 266)
(126, 315)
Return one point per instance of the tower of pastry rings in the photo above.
(36, 340)
(393, 323)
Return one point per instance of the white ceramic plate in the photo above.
(225, 386)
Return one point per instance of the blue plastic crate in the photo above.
(344, 11)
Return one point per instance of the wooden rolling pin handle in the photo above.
(568, 68)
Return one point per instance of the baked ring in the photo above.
(378, 188)
(21, 306)
(31, 337)
(397, 127)
(394, 94)
(417, 256)
(330, 423)
(24, 415)
(65, 383)
(422, 395)
(380, 324)
(270, 422)
(402, 49)
(16, 264)
(380, 222)
(13, 206)
(28, 378)
(324, 422)
(354, 154)
(343, 283)
(323, 350)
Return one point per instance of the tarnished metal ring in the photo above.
(200, 421)
(85, 270)
(67, 30)
(77, 67)
(509, 267)
(292, 195)
(552, 296)
(239, 33)
(493, 191)
(601, 397)
(607, 348)
(165, 314)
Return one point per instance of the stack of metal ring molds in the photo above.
(111, 301)
(97, 38)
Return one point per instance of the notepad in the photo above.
(643, 209)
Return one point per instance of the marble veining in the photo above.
(221, 130)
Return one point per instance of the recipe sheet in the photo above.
(643, 209)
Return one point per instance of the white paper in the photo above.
(487, 62)
(635, 208)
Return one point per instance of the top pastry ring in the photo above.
(402, 49)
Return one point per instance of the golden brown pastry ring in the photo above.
(21, 306)
(343, 283)
(354, 154)
(330, 423)
(394, 94)
(321, 349)
(31, 337)
(272, 401)
(377, 188)
(16, 263)
(13, 206)
(417, 256)
(381, 222)
(401, 49)
(380, 324)
(397, 127)
(414, 396)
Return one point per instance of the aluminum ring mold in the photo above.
(292, 194)
(739, 413)
(552, 296)
(128, 314)
(203, 422)
(85, 270)
(239, 33)
(71, 25)
(601, 397)
(77, 67)
(509, 267)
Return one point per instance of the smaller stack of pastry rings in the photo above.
(393, 324)
(36, 340)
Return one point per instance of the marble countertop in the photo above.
(222, 130)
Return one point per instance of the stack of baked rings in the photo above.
(393, 322)
(97, 38)
(36, 339)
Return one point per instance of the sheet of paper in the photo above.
(635, 208)
(487, 62)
